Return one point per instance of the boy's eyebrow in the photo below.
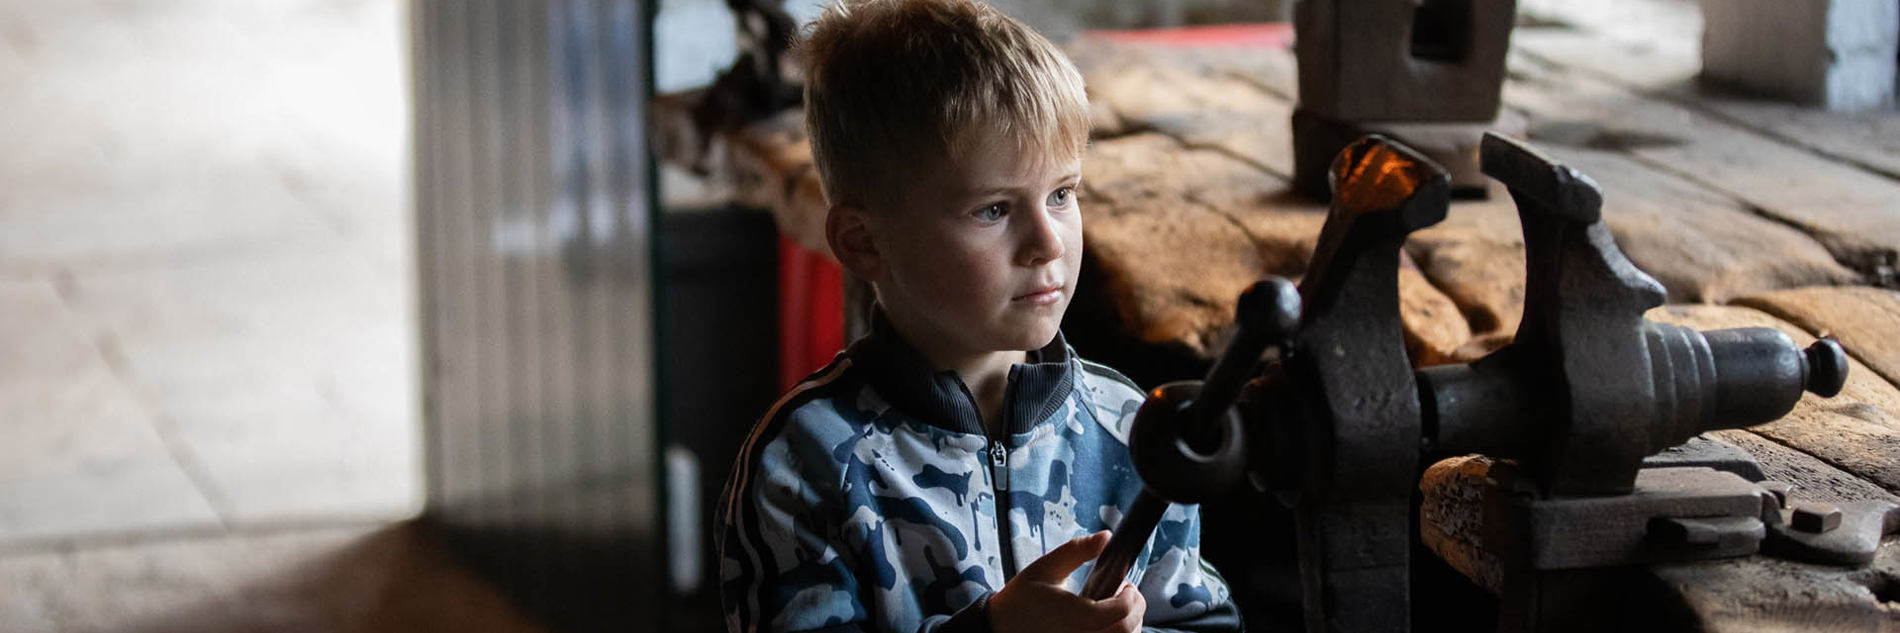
(985, 192)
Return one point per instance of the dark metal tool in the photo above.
(1340, 427)
(1589, 387)
(1187, 441)
(1358, 410)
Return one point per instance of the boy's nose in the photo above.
(1044, 240)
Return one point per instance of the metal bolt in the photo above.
(1814, 517)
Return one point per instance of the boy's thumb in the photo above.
(1054, 567)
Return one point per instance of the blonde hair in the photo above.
(890, 80)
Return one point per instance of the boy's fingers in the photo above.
(1111, 610)
(1055, 566)
(1128, 624)
(1117, 614)
(1132, 606)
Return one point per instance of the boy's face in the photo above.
(983, 255)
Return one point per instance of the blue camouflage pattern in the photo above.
(844, 512)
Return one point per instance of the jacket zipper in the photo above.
(999, 477)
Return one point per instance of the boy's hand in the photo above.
(1035, 601)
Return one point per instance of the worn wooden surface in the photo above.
(1750, 213)
(1861, 318)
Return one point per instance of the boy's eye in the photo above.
(1060, 197)
(991, 213)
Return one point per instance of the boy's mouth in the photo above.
(1041, 296)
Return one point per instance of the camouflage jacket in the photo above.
(871, 499)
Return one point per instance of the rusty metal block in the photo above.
(1814, 517)
(1403, 60)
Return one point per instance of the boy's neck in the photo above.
(988, 380)
(985, 373)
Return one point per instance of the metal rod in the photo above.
(1112, 567)
(1267, 314)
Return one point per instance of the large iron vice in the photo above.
(1314, 401)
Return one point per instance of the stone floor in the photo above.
(207, 393)
(315, 578)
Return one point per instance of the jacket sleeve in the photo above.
(779, 568)
(1184, 592)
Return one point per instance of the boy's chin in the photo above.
(1034, 338)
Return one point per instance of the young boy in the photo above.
(955, 469)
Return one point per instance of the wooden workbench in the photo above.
(1750, 214)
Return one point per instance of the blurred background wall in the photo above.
(207, 266)
(694, 38)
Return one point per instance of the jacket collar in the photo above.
(939, 398)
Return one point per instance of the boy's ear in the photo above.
(849, 232)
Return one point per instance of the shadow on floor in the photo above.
(397, 578)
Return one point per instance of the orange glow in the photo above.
(1374, 176)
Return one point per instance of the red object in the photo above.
(1267, 35)
(810, 312)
